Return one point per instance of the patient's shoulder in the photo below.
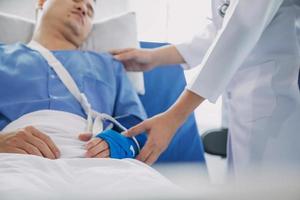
(11, 48)
(107, 60)
(102, 56)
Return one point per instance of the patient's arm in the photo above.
(126, 103)
(28, 141)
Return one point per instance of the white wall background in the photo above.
(26, 8)
(170, 20)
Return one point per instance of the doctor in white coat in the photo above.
(251, 54)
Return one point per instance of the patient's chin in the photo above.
(76, 28)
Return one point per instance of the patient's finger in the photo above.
(103, 154)
(136, 130)
(15, 150)
(29, 148)
(54, 150)
(118, 51)
(93, 143)
(102, 146)
(85, 136)
(41, 146)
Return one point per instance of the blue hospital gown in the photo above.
(27, 84)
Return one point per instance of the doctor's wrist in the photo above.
(185, 106)
(166, 55)
(176, 117)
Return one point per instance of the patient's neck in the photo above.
(52, 39)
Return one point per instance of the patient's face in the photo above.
(72, 17)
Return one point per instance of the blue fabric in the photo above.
(27, 84)
(129, 121)
(119, 145)
(163, 87)
(299, 80)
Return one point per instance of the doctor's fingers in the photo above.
(137, 129)
(127, 56)
(135, 66)
(47, 142)
(150, 153)
(152, 157)
(120, 51)
(145, 152)
(131, 66)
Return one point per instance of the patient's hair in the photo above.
(41, 3)
(39, 7)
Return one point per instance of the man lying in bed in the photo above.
(29, 85)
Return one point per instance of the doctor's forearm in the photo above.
(184, 106)
(167, 55)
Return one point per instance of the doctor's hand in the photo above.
(135, 59)
(161, 129)
(96, 148)
(147, 59)
(29, 141)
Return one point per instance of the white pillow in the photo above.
(116, 32)
(15, 29)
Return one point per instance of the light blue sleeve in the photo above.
(127, 100)
(3, 120)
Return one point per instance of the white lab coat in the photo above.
(252, 55)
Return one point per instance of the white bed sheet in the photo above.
(33, 177)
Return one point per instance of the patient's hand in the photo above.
(29, 141)
(96, 148)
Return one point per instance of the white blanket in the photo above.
(32, 177)
(62, 127)
(71, 176)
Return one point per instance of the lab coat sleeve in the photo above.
(243, 25)
(194, 50)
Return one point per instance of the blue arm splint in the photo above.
(121, 146)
